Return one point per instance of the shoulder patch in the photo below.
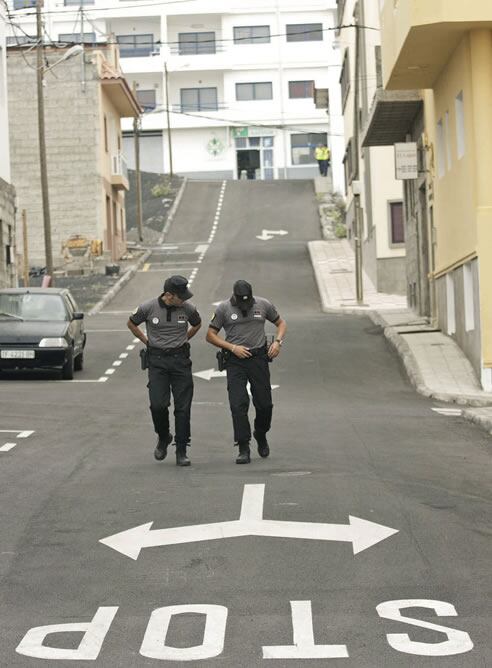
(134, 312)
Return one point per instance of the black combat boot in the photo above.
(181, 458)
(263, 448)
(160, 451)
(243, 456)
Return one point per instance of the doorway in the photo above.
(248, 162)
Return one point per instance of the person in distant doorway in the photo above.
(243, 317)
(322, 155)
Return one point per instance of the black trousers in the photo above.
(256, 370)
(323, 167)
(171, 373)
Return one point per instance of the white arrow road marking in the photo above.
(208, 374)
(266, 235)
(361, 533)
(456, 412)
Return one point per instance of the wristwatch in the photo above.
(279, 341)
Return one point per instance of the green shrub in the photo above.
(162, 189)
(340, 231)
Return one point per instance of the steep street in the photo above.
(352, 445)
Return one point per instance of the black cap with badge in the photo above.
(243, 293)
(178, 285)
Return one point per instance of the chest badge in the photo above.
(233, 316)
(155, 321)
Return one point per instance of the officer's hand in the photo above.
(241, 351)
(274, 349)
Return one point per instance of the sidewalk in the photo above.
(435, 364)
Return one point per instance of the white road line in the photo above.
(25, 434)
(202, 248)
(450, 412)
(102, 379)
(136, 341)
(113, 312)
(109, 372)
(7, 446)
(104, 331)
(117, 363)
(130, 347)
(123, 356)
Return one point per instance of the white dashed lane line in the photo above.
(6, 447)
(448, 412)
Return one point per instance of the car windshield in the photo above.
(32, 306)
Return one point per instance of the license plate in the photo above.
(17, 354)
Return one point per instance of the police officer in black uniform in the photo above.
(243, 318)
(170, 322)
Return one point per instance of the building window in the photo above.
(105, 133)
(460, 125)
(74, 37)
(79, 2)
(254, 91)
(340, 12)
(348, 163)
(194, 43)
(345, 78)
(304, 32)
(447, 140)
(379, 68)
(146, 99)
(19, 40)
(441, 150)
(304, 145)
(301, 89)
(451, 314)
(397, 225)
(469, 297)
(199, 99)
(134, 46)
(251, 34)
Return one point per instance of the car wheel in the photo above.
(78, 363)
(68, 367)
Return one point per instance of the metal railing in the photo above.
(119, 165)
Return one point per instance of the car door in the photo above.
(76, 327)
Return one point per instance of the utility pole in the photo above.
(42, 143)
(168, 122)
(357, 212)
(138, 179)
(25, 259)
(82, 42)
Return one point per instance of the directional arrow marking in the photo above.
(361, 533)
(207, 374)
(266, 235)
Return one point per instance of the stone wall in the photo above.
(72, 140)
(8, 277)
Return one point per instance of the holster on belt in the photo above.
(222, 359)
(144, 358)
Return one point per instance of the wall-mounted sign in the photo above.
(252, 132)
(406, 161)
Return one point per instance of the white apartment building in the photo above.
(240, 80)
(369, 171)
(7, 192)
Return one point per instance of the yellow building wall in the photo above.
(454, 192)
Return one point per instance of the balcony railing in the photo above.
(119, 170)
(199, 108)
(196, 49)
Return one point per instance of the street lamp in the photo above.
(40, 70)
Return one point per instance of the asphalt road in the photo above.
(350, 438)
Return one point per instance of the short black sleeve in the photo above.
(194, 318)
(140, 314)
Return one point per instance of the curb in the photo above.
(131, 271)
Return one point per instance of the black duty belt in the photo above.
(258, 351)
(165, 352)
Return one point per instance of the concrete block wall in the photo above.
(8, 277)
(73, 133)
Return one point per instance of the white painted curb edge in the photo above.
(131, 271)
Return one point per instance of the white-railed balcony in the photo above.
(119, 172)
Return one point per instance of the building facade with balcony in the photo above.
(7, 192)
(443, 51)
(85, 101)
(373, 193)
(238, 80)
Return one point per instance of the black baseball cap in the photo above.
(178, 285)
(243, 292)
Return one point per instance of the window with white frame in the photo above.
(450, 308)
(304, 145)
(254, 91)
(469, 297)
(298, 89)
(460, 125)
(147, 98)
(199, 99)
(74, 37)
(304, 32)
(251, 34)
(447, 140)
(397, 224)
(135, 46)
(195, 43)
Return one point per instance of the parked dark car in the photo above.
(41, 328)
